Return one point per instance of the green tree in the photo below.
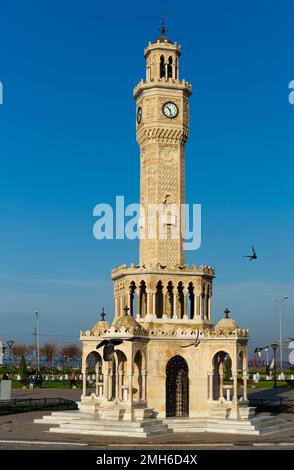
(23, 371)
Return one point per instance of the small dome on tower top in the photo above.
(101, 325)
(226, 325)
(128, 322)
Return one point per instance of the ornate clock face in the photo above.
(170, 109)
(139, 115)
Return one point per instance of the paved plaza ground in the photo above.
(18, 431)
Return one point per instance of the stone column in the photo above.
(196, 305)
(117, 383)
(175, 313)
(221, 381)
(169, 303)
(144, 391)
(202, 306)
(144, 304)
(174, 69)
(209, 308)
(147, 303)
(110, 384)
(210, 386)
(139, 305)
(245, 373)
(121, 380)
(235, 394)
(199, 306)
(165, 303)
(128, 303)
(150, 304)
(121, 303)
(131, 377)
(106, 384)
(97, 382)
(154, 304)
(85, 383)
(204, 300)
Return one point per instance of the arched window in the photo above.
(181, 303)
(176, 69)
(94, 364)
(142, 307)
(138, 379)
(191, 301)
(222, 370)
(159, 300)
(133, 299)
(162, 67)
(177, 387)
(170, 68)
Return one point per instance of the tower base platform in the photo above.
(77, 422)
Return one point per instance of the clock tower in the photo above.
(162, 287)
(162, 357)
(162, 110)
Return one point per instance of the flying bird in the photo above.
(109, 347)
(253, 256)
(196, 342)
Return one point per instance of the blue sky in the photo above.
(67, 143)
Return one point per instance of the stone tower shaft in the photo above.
(162, 104)
(162, 288)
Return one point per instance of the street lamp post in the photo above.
(280, 301)
(275, 347)
(37, 339)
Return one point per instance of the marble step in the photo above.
(256, 426)
(108, 432)
(67, 413)
(62, 416)
(261, 426)
(108, 428)
(55, 419)
(119, 425)
(82, 423)
(75, 422)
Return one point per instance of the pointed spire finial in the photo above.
(162, 27)
(163, 30)
(103, 315)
